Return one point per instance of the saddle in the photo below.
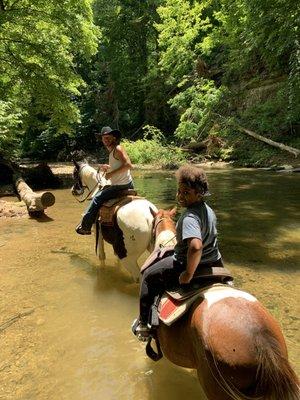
(172, 305)
(109, 209)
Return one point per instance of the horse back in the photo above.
(231, 319)
(136, 215)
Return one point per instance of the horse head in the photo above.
(77, 188)
(86, 177)
(164, 231)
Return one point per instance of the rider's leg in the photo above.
(155, 280)
(101, 197)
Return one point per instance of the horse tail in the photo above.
(275, 377)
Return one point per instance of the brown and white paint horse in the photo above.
(134, 219)
(232, 341)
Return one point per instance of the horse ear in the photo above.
(173, 211)
(153, 212)
(75, 163)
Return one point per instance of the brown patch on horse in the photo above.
(114, 236)
(244, 350)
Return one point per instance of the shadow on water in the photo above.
(107, 278)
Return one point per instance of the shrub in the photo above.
(153, 149)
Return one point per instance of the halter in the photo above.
(81, 187)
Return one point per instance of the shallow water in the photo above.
(71, 338)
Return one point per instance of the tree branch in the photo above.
(281, 146)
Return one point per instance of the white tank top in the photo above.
(122, 177)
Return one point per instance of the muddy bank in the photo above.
(12, 209)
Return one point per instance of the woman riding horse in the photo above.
(118, 171)
(196, 247)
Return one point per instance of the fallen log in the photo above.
(35, 202)
(38, 177)
(281, 146)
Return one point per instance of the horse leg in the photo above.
(131, 265)
(100, 247)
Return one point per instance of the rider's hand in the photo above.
(185, 278)
(104, 167)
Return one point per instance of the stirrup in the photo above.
(141, 331)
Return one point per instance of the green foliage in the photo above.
(153, 150)
(269, 115)
(183, 25)
(10, 122)
(125, 87)
(182, 66)
(232, 41)
(40, 43)
(197, 104)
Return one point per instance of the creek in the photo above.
(71, 337)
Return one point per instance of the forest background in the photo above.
(167, 73)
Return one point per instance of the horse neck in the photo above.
(90, 179)
(165, 234)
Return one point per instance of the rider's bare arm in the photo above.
(194, 254)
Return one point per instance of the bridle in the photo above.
(156, 222)
(78, 185)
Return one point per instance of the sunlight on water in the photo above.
(71, 338)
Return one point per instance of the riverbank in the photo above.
(10, 207)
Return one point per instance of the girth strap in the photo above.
(151, 353)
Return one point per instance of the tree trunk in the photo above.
(35, 202)
(281, 146)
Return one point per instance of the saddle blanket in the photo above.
(171, 307)
(108, 209)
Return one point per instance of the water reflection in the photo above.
(77, 342)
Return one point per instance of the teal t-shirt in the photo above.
(197, 221)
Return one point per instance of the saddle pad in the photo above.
(171, 309)
(108, 209)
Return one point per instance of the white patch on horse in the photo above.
(166, 238)
(217, 293)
